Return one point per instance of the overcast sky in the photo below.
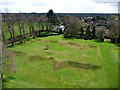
(60, 6)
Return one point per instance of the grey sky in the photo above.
(60, 6)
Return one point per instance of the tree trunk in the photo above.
(11, 35)
(3, 36)
(20, 34)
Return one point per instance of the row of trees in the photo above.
(19, 26)
(79, 29)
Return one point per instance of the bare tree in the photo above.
(3, 34)
(101, 32)
(44, 22)
(31, 25)
(21, 22)
(4, 30)
(10, 28)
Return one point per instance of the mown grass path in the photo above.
(108, 60)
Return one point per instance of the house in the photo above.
(60, 28)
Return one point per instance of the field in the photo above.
(56, 62)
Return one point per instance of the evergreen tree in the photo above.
(52, 18)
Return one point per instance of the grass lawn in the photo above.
(55, 62)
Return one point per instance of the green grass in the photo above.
(40, 72)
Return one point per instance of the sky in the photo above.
(59, 6)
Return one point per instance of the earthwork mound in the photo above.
(19, 53)
(66, 64)
(35, 58)
(70, 44)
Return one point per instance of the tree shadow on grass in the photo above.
(48, 34)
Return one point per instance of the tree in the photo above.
(4, 32)
(73, 25)
(93, 33)
(112, 25)
(10, 27)
(43, 24)
(31, 23)
(82, 31)
(88, 33)
(100, 33)
(21, 21)
(52, 18)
